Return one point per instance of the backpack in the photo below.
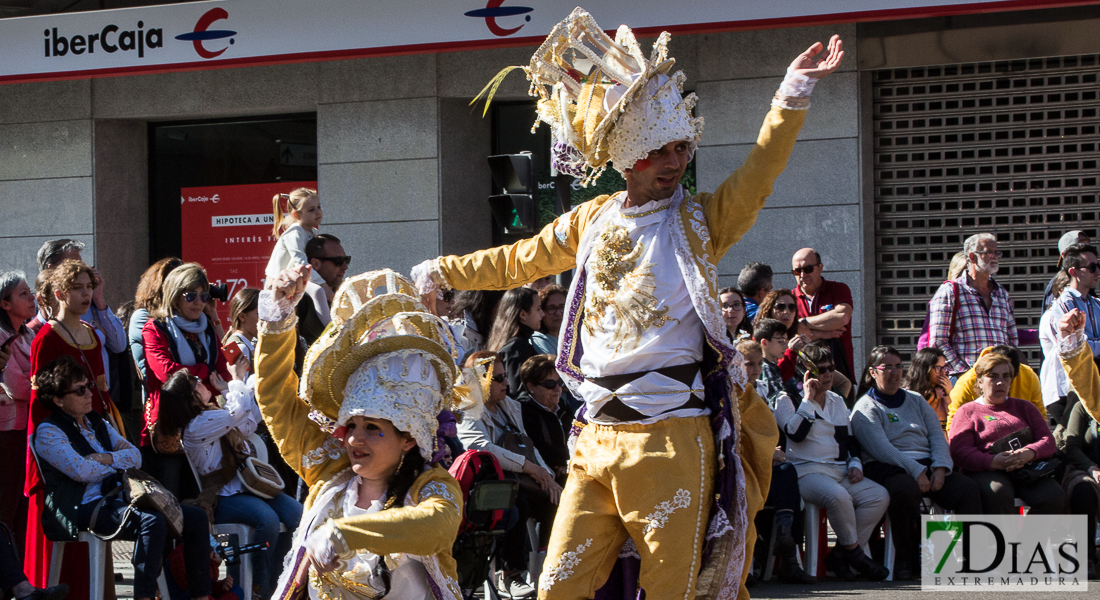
(470, 468)
(925, 334)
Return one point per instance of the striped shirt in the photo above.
(976, 327)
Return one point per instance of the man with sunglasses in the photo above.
(328, 259)
(973, 312)
(1079, 262)
(824, 307)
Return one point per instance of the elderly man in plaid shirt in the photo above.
(973, 312)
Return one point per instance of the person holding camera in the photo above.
(822, 448)
(183, 333)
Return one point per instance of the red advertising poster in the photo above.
(227, 229)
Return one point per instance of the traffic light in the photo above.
(516, 210)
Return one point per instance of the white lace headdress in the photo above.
(603, 99)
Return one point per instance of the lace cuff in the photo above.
(428, 278)
(327, 544)
(1068, 346)
(794, 92)
(272, 310)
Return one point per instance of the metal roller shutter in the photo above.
(1009, 148)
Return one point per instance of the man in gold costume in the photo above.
(676, 455)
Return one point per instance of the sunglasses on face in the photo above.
(826, 368)
(783, 307)
(498, 378)
(195, 382)
(733, 306)
(448, 296)
(81, 390)
(550, 384)
(1092, 267)
(885, 368)
(805, 270)
(338, 261)
(190, 296)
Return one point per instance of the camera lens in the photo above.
(220, 291)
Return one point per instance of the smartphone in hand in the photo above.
(231, 352)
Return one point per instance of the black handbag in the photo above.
(514, 441)
(1032, 472)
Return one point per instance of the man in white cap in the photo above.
(676, 456)
(1068, 239)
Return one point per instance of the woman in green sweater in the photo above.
(905, 452)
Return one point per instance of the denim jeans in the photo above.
(149, 531)
(264, 516)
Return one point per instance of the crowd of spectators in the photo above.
(865, 440)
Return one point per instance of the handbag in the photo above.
(1033, 471)
(139, 490)
(260, 478)
(518, 443)
(165, 444)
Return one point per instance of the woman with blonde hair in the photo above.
(183, 334)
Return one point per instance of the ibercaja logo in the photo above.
(1041, 553)
(140, 38)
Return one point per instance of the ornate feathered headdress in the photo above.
(603, 100)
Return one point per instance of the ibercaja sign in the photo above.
(1040, 553)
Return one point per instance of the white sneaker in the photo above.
(514, 586)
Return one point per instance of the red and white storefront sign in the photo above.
(229, 33)
(228, 230)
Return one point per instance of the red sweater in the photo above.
(160, 365)
(977, 426)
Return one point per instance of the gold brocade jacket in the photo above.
(425, 528)
(709, 225)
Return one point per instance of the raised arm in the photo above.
(1076, 357)
(732, 210)
(313, 454)
(552, 251)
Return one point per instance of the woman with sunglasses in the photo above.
(503, 416)
(927, 376)
(823, 450)
(904, 451)
(183, 334)
(81, 455)
(781, 306)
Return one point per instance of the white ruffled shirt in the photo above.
(201, 437)
(648, 323)
(409, 579)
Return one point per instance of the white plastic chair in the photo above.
(812, 519)
(245, 534)
(98, 555)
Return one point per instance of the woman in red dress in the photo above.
(72, 284)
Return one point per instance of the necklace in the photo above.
(71, 336)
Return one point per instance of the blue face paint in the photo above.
(381, 434)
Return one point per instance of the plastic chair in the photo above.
(244, 533)
(98, 554)
(816, 523)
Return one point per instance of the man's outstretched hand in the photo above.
(815, 64)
